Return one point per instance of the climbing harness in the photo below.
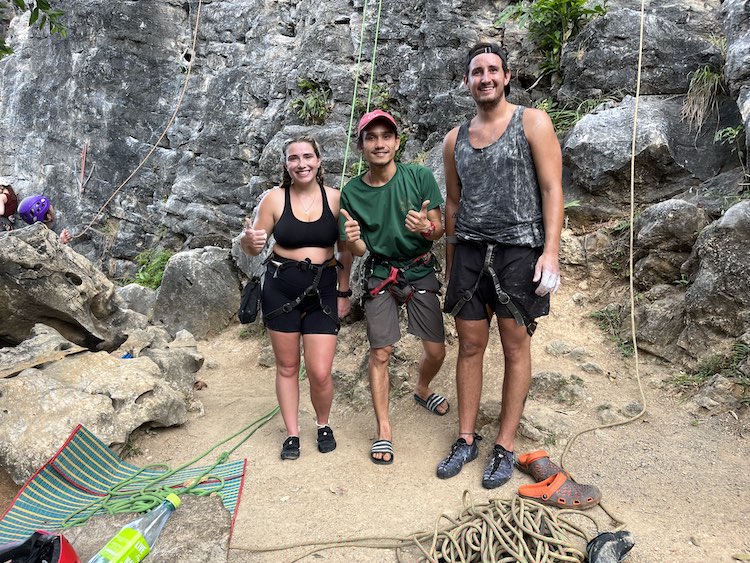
(310, 291)
(502, 295)
(396, 282)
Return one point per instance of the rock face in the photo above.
(603, 60)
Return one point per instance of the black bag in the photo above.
(250, 302)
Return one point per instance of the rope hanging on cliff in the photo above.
(633, 335)
(356, 79)
(164, 132)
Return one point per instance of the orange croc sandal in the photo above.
(537, 464)
(561, 491)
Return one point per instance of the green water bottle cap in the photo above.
(174, 499)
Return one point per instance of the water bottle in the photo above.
(135, 540)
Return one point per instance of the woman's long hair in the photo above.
(286, 179)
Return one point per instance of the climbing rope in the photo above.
(496, 531)
(633, 335)
(373, 58)
(164, 132)
(141, 492)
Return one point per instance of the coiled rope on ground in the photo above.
(497, 531)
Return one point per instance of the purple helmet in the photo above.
(33, 208)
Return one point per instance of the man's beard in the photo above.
(489, 105)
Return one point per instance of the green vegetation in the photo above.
(357, 168)
(701, 100)
(609, 320)
(41, 14)
(314, 104)
(130, 450)
(380, 98)
(152, 264)
(404, 138)
(734, 136)
(551, 24)
(564, 118)
(728, 366)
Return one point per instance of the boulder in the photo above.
(45, 345)
(42, 280)
(670, 158)
(109, 395)
(200, 292)
(717, 303)
(664, 236)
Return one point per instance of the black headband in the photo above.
(488, 48)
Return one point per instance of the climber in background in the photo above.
(8, 206)
(37, 208)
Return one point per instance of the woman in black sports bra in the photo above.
(304, 292)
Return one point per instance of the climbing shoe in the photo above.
(461, 454)
(326, 441)
(290, 449)
(499, 469)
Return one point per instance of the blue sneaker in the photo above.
(461, 454)
(499, 469)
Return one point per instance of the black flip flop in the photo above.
(432, 402)
(381, 447)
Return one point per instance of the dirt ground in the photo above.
(678, 480)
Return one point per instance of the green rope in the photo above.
(151, 491)
(356, 81)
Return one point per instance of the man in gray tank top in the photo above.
(503, 218)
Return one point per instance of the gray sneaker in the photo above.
(461, 454)
(499, 469)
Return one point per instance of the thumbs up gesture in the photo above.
(254, 239)
(351, 227)
(417, 221)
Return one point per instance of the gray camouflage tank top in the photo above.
(500, 196)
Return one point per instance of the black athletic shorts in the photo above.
(515, 270)
(283, 285)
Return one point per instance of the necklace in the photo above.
(306, 208)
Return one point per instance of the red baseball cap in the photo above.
(372, 116)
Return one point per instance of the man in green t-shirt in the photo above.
(393, 211)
